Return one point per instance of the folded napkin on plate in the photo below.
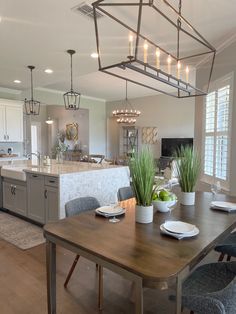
(225, 206)
(179, 236)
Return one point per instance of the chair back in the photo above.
(125, 193)
(80, 205)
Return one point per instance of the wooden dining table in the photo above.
(139, 252)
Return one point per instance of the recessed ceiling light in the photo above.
(49, 71)
(94, 55)
(17, 81)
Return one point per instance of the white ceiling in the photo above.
(39, 32)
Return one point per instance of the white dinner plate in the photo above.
(110, 209)
(223, 205)
(178, 227)
(180, 236)
(113, 214)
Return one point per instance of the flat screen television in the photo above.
(169, 145)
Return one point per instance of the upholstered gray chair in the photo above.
(76, 207)
(125, 193)
(227, 247)
(211, 289)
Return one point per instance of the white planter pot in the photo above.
(188, 198)
(144, 214)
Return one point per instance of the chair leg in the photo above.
(71, 271)
(191, 312)
(100, 287)
(228, 258)
(222, 255)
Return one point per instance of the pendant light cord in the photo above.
(71, 74)
(126, 95)
(32, 95)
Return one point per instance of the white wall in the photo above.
(225, 63)
(97, 116)
(173, 117)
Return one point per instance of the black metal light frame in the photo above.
(71, 98)
(183, 89)
(32, 107)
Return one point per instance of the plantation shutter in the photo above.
(217, 134)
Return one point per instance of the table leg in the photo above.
(139, 296)
(100, 287)
(178, 295)
(51, 276)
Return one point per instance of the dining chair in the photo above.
(227, 247)
(125, 193)
(211, 289)
(76, 207)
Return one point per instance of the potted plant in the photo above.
(142, 170)
(188, 166)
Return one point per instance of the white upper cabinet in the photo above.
(11, 121)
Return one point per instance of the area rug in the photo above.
(21, 233)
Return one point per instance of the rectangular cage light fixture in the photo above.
(131, 46)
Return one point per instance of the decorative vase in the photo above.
(144, 214)
(59, 158)
(187, 198)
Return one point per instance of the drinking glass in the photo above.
(114, 219)
(215, 189)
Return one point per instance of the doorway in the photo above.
(35, 137)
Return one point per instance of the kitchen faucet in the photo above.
(37, 154)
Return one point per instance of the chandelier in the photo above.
(126, 115)
(71, 98)
(32, 107)
(150, 43)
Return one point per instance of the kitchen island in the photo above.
(40, 192)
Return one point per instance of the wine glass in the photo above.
(114, 219)
(215, 189)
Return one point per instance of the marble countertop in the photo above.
(8, 158)
(55, 169)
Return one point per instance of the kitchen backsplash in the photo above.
(17, 147)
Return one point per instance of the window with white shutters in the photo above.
(216, 131)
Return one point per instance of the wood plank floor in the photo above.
(23, 286)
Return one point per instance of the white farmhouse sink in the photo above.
(16, 173)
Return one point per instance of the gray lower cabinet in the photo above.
(43, 202)
(8, 197)
(15, 196)
(36, 197)
(51, 204)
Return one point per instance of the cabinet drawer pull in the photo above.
(34, 176)
(52, 181)
(45, 194)
(12, 187)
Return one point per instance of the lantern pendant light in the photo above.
(32, 107)
(168, 66)
(71, 98)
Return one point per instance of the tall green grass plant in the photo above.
(142, 169)
(188, 166)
